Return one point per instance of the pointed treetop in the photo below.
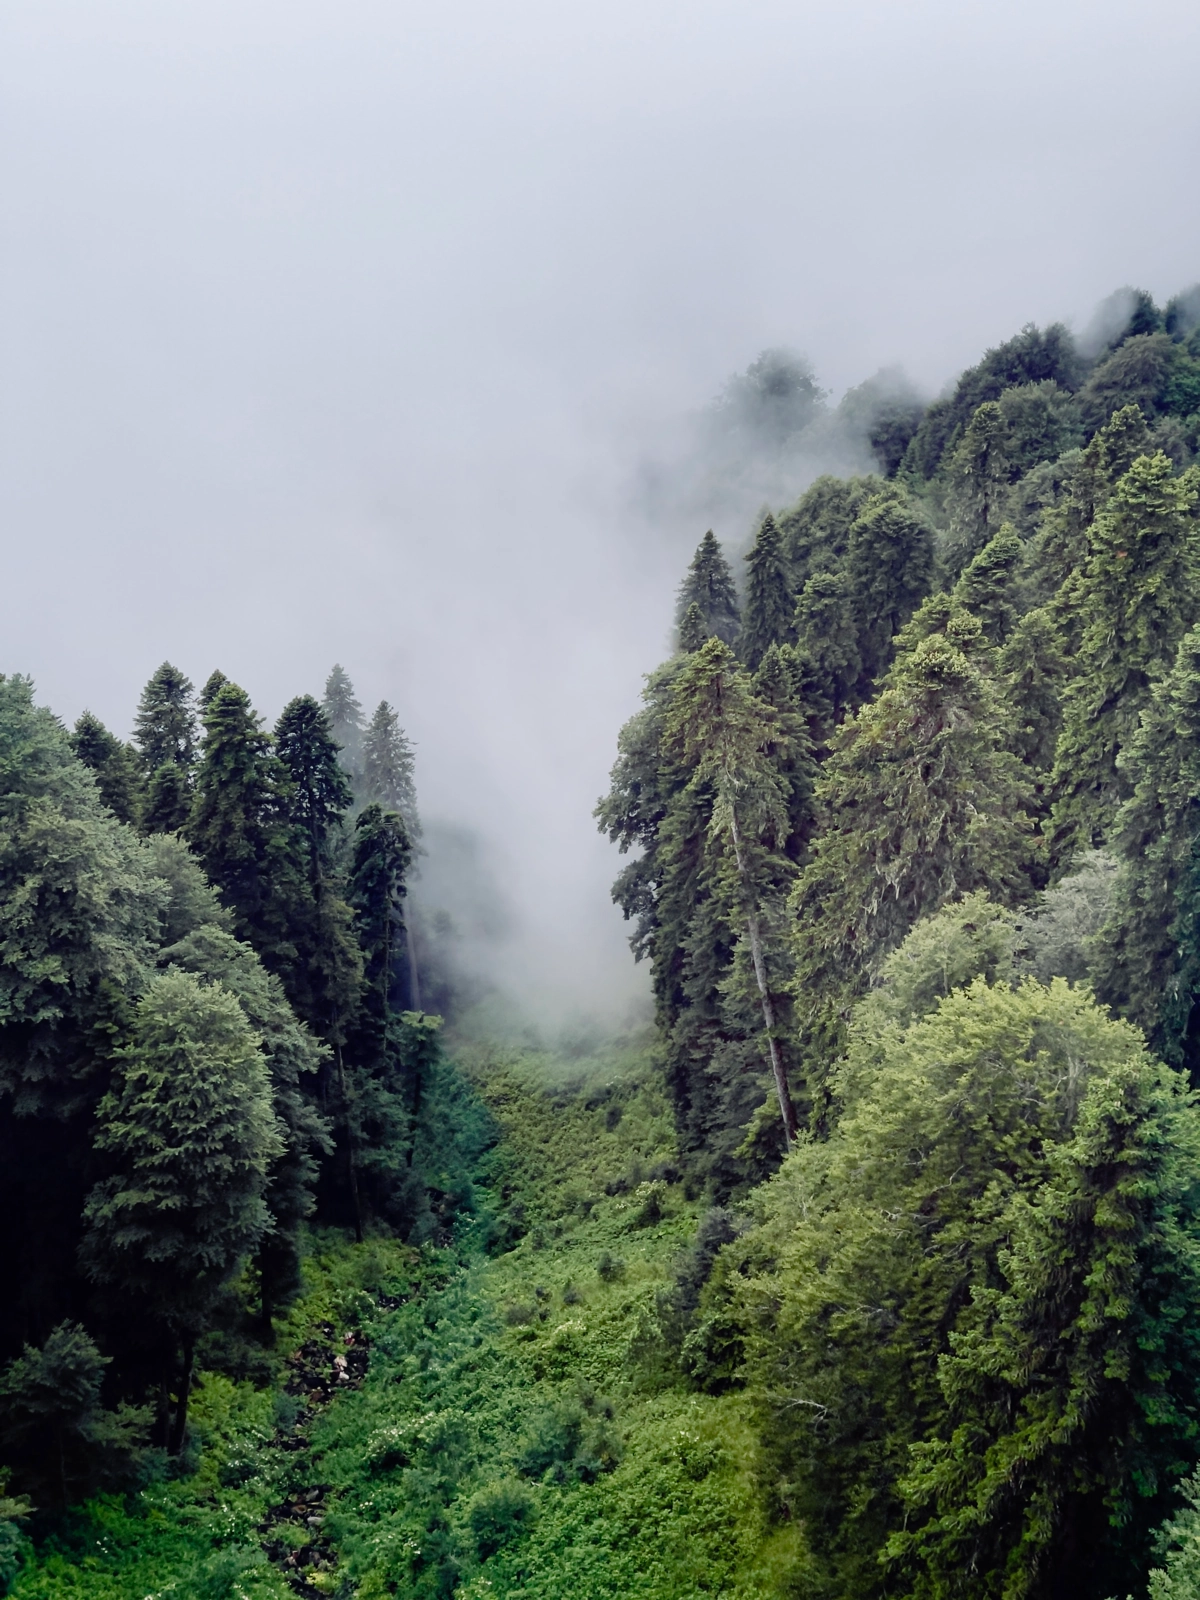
(215, 683)
(388, 767)
(319, 794)
(709, 584)
(345, 716)
(989, 586)
(165, 727)
(769, 599)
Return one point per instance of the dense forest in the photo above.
(872, 1272)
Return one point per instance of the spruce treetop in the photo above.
(709, 584)
(767, 617)
(388, 766)
(345, 716)
(165, 727)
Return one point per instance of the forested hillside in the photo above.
(873, 1272)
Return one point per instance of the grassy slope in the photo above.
(518, 1432)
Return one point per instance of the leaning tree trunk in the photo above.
(786, 1109)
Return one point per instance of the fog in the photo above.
(380, 333)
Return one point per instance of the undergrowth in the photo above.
(521, 1430)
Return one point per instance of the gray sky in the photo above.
(338, 331)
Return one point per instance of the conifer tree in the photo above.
(1061, 547)
(980, 474)
(388, 768)
(1147, 961)
(989, 587)
(165, 726)
(718, 729)
(325, 974)
(1136, 598)
(213, 685)
(317, 794)
(237, 826)
(1033, 669)
(827, 638)
(189, 1129)
(922, 802)
(55, 1431)
(889, 569)
(693, 629)
(345, 718)
(767, 614)
(709, 584)
(115, 766)
(168, 801)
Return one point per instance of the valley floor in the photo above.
(451, 1421)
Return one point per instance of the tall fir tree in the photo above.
(990, 589)
(889, 570)
(979, 475)
(1147, 961)
(345, 718)
(388, 768)
(115, 765)
(921, 802)
(1136, 597)
(240, 830)
(314, 797)
(709, 584)
(767, 613)
(718, 729)
(165, 726)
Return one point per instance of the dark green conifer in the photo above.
(767, 614)
(980, 473)
(709, 584)
(213, 685)
(115, 765)
(1147, 962)
(165, 726)
(827, 638)
(718, 729)
(922, 802)
(989, 588)
(1135, 597)
(168, 801)
(317, 794)
(889, 568)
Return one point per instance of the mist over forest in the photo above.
(599, 801)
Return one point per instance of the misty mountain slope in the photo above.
(909, 811)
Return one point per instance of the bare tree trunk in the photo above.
(786, 1110)
(351, 1152)
(179, 1431)
(414, 982)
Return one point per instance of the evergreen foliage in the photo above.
(388, 768)
(922, 802)
(115, 766)
(345, 718)
(709, 584)
(1147, 964)
(165, 727)
(1135, 598)
(189, 1130)
(767, 614)
(1000, 1390)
